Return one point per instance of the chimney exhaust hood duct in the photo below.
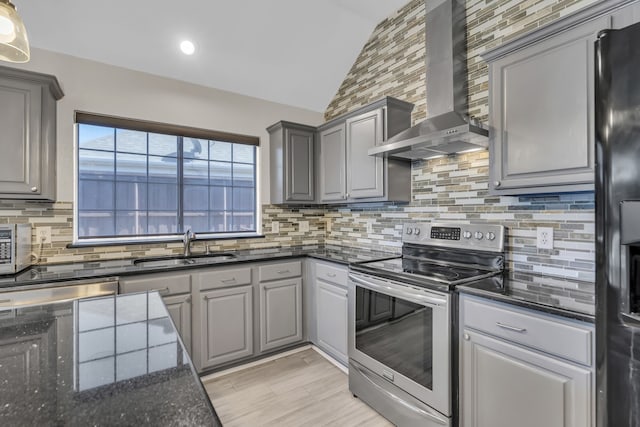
(447, 129)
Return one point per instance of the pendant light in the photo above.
(14, 45)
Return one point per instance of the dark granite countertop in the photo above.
(52, 273)
(565, 297)
(106, 361)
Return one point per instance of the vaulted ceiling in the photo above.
(295, 52)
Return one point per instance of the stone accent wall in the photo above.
(456, 188)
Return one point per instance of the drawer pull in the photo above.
(5, 301)
(283, 272)
(164, 291)
(511, 328)
(331, 274)
(233, 279)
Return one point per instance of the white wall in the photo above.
(99, 88)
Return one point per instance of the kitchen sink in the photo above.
(183, 260)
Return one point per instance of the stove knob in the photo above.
(466, 234)
(409, 230)
(491, 236)
(416, 231)
(479, 235)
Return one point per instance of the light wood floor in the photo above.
(301, 389)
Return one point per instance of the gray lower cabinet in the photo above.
(28, 140)
(329, 289)
(280, 313)
(542, 111)
(226, 325)
(524, 368)
(179, 308)
(175, 289)
(292, 161)
(331, 309)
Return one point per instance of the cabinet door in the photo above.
(332, 320)
(365, 173)
(20, 121)
(380, 307)
(504, 385)
(333, 176)
(179, 308)
(280, 313)
(299, 176)
(542, 114)
(226, 325)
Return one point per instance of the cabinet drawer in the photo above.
(551, 336)
(165, 284)
(224, 278)
(281, 270)
(332, 274)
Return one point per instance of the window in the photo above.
(142, 179)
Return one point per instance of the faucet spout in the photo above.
(188, 237)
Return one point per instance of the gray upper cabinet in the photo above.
(28, 141)
(292, 160)
(333, 175)
(542, 111)
(347, 173)
(365, 176)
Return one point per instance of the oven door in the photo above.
(403, 334)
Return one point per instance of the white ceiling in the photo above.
(295, 52)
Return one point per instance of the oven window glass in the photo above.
(634, 279)
(396, 333)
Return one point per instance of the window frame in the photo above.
(179, 132)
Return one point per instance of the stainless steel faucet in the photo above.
(188, 237)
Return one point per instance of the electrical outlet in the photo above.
(303, 226)
(328, 225)
(275, 227)
(44, 234)
(369, 228)
(545, 237)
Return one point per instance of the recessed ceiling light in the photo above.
(187, 47)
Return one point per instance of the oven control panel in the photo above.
(470, 236)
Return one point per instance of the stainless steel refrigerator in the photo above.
(617, 123)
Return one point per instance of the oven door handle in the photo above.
(398, 293)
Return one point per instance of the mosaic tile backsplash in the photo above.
(447, 189)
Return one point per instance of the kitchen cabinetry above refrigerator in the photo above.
(541, 104)
(28, 141)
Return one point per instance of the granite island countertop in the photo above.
(50, 274)
(105, 361)
(564, 297)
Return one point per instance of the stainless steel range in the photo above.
(402, 311)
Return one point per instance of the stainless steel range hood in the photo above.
(448, 129)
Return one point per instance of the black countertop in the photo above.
(52, 273)
(98, 362)
(564, 297)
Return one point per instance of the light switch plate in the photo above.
(275, 227)
(303, 226)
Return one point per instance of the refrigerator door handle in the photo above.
(631, 320)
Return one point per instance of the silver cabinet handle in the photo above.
(467, 337)
(34, 189)
(233, 279)
(283, 272)
(164, 291)
(510, 328)
(331, 274)
(347, 196)
(5, 301)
